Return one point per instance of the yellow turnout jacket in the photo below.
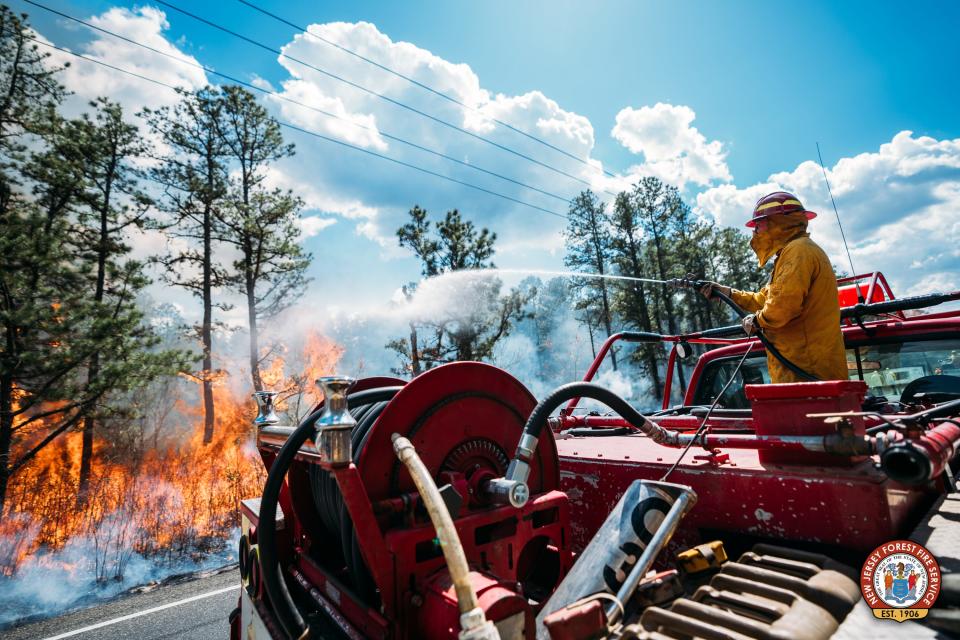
(799, 312)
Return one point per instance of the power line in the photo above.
(422, 85)
(377, 94)
(280, 96)
(306, 131)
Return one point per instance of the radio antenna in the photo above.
(853, 272)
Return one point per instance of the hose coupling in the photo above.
(475, 626)
(516, 493)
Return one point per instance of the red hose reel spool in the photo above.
(465, 420)
(465, 414)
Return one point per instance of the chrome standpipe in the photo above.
(335, 425)
(266, 413)
(269, 430)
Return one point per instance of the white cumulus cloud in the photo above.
(387, 190)
(899, 208)
(312, 225)
(673, 149)
(145, 25)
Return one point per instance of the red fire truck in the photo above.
(457, 505)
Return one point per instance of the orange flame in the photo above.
(164, 498)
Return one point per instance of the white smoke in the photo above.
(51, 583)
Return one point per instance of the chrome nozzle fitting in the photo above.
(335, 425)
(266, 414)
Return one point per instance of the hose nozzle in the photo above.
(685, 283)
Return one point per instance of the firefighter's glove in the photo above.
(749, 323)
(709, 287)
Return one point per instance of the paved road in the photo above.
(196, 609)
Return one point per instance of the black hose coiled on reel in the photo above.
(285, 608)
(330, 506)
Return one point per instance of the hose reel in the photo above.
(463, 418)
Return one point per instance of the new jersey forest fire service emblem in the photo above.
(900, 581)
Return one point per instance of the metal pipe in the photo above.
(685, 499)
(898, 304)
(472, 617)
(918, 460)
(276, 436)
(911, 460)
(668, 383)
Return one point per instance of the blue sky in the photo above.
(745, 89)
(769, 78)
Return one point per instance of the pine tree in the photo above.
(477, 315)
(589, 250)
(260, 224)
(38, 356)
(630, 256)
(658, 205)
(29, 90)
(62, 351)
(112, 205)
(194, 173)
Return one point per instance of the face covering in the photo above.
(780, 230)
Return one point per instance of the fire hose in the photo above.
(771, 349)
(473, 622)
(910, 460)
(286, 609)
(512, 488)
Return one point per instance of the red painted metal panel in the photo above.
(343, 607)
(855, 507)
(494, 541)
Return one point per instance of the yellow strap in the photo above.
(778, 204)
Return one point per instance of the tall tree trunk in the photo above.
(668, 302)
(606, 320)
(604, 298)
(93, 371)
(641, 303)
(254, 332)
(6, 436)
(414, 351)
(593, 346)
(86, 451)
(206, 332)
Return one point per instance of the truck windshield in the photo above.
(887, 369)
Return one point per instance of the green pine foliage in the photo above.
(74, 340)
(477, 316)
(650, 232)
(259, 223)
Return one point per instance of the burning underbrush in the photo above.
(159, 502)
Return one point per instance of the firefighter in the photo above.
(798, 309)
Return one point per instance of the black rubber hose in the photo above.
(320, 486)
(284, 607)
(599, 433)
(538, 419)
(772, 350)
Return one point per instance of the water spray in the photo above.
(567, 274)
(675, 283)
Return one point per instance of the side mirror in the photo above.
(684, 350)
